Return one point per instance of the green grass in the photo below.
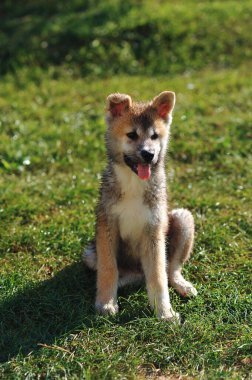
(51, 156)
(134, 36)
(58, 58)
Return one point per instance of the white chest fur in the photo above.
(132, 213)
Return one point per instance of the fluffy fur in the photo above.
(136, 236)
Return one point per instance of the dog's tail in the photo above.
(89, 256)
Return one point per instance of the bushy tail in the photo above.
(89, 256)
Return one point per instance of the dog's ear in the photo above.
(164, 103)
(117, 104)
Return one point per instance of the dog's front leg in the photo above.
(107, 272)
(153, 257)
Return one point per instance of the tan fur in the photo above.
(160, 128)
(135, 234)
(107, 275)
(122, 126)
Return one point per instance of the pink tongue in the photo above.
(143, 171)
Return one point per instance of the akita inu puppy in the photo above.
(136, 236)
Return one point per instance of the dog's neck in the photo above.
(131, 184)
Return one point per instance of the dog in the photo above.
(136, 236)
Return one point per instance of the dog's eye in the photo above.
(154, 136)
(132, 135)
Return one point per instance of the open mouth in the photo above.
(143, 171)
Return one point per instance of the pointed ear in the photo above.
(164, 103)
(117, 104)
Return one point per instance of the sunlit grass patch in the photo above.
(51, 156)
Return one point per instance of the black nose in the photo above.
(147, 156)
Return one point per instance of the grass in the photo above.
(52, 154)
(57, 60)
(104, 37)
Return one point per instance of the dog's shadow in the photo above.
(43, 312)
(38, 314)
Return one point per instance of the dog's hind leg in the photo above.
(180, 243)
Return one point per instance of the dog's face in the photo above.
(137, 133)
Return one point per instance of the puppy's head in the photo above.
(137, 133)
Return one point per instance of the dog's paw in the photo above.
(190, 291)
(109, 308)
(185, 288)
(170, 316)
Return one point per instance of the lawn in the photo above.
(52, 154)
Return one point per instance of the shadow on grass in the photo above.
(41, 313)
